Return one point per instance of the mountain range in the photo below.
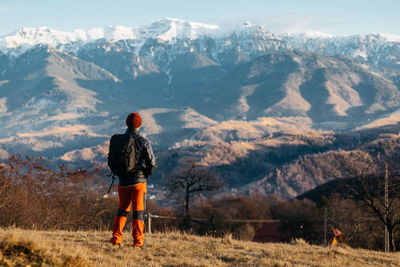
(229, 97)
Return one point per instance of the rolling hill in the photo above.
(249, 103)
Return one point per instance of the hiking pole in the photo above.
(112, 175)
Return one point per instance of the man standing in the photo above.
(132, 183)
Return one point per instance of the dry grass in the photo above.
(31, 248)
(60, 248)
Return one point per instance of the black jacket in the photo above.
(145, 161)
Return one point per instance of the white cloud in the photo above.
(294, 24)
(300, 24)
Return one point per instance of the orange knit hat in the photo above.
(134, 120)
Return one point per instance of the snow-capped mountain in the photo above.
(202, 90)
(165, 30)
(169, 37)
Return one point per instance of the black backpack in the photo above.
(121, 155)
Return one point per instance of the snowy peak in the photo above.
(160, 41)
(245, 29)
(166, 29)
(47, 36)
(390, 37)
(169, 29)
(314, 35)
(115, 33)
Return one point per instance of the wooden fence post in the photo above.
(149, 223)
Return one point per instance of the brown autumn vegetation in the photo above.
(35, 196)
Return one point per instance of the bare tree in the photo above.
(366, 184)
(189, 180)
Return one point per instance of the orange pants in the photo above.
(132, 196)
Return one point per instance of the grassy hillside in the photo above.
(61, 248)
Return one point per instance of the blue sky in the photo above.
(337, 17)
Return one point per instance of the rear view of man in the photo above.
(138, 163)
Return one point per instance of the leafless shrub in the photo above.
(33, 195)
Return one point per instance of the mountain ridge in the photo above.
(249, 98)
(252, 40)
